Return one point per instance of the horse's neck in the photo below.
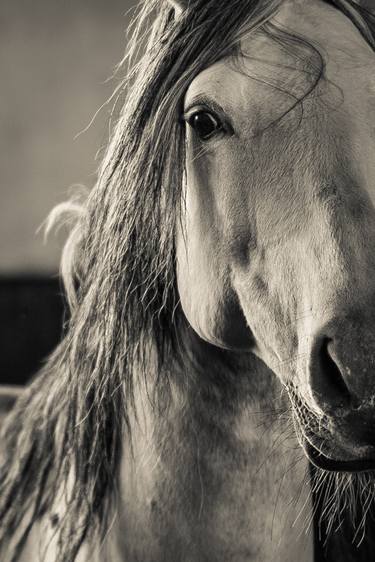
(214, 477)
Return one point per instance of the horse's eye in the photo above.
(205, 124)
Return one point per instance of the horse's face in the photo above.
(276, 246)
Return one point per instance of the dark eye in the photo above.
(205, 124)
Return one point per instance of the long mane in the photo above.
(65, 434)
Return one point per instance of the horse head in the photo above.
(277, 233)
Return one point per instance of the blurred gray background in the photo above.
(55, 61)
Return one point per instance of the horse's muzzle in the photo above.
(342, 367)
(345, 444)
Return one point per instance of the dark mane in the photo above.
(66, 432)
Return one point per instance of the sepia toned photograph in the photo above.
(187, 261)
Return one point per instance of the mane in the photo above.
(65, 434)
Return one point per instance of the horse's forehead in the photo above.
(320, 24)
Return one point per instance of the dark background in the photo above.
(55, 62)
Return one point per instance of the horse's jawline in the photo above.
(318, 459)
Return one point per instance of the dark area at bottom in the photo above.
(32, 311)
(343, 545)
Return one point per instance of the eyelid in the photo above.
(196, 109)
(206, 102)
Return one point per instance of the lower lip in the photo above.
(321, 461)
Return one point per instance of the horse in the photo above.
(214, 385)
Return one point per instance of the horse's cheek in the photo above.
(210, 304)
(199, 299)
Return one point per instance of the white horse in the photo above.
(220, 280)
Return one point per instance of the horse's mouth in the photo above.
(320, 460)
(317, 442)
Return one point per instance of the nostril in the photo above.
(333, 371)
(327, 379)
